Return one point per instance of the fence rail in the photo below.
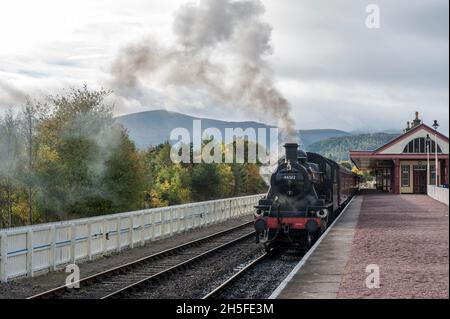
(438, 193)
(25, 251)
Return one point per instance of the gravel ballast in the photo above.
(202, 277)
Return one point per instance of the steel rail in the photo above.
(85, 282)
(214, 293)
(180, 266)
(219, 289)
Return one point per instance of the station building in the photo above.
(401, 165)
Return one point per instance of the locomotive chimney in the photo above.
(291, 152)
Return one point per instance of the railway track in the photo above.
(256, 278)
(119, 281)
(259, 278)
(217, 291)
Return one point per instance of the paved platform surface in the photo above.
(405, 236)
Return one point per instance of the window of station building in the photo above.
(405, 175)
(418, 145)
(432, 174)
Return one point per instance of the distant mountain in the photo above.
(371, 131)
(337, 148)
(153, 127)
(308, 137)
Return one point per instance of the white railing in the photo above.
(26, 251)
(438, 193)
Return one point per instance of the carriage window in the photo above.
(405, 175)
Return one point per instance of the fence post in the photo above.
(89, 242)
(130, 233)
(152, 226)
(185, 219)
(118, 229)
(30, 271)
(72, 242)
(53, 247)
(178, 220)
(105, 233)
(4, 256)
(170, 222)
(142, 229)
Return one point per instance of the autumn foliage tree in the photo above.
(66, 157)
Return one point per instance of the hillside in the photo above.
(153, 127)
(337, 148)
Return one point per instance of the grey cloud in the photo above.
(343, 48)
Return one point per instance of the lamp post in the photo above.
(436, 164)
(428, 142)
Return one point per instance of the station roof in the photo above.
(394, 149)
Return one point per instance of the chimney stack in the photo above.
(291, 152)
(416, 121)
(407, 126)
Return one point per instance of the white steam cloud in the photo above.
(219, 53)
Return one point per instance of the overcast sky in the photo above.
(335, 72)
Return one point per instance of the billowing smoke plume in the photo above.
(218, 53)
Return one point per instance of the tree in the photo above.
(255, 184)
(89, 166)
(205, 182)
(124, 179)
(32, 114)
(240, 178)
(9, 160)
(227, 182)
(346, 164)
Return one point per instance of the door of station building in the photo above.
(419, 179)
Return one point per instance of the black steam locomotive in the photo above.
(307, 192)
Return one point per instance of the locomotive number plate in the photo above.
(289, 177)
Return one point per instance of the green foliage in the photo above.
(346, 164)
(170, 183)
(92, 167)
(75, 162)
(337, 148)
(68, 159)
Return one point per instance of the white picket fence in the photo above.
(25, 251)
(438, 193)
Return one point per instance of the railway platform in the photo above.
(382, 246)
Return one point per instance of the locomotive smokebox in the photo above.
(291, 152)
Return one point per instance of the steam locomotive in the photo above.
(307, 192)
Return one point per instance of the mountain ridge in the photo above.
(149, 128)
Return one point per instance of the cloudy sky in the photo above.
(334, 71)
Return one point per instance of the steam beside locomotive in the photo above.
(307, 192)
